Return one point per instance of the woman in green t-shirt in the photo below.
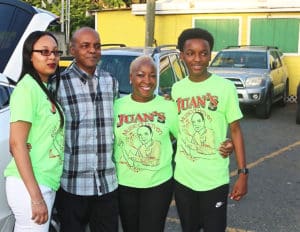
(143, 151)
(36, 137)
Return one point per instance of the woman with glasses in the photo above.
(36, 137)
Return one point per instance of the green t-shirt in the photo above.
(29, 103)
(143, 149)
(204, 111)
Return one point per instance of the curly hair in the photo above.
(194, 33)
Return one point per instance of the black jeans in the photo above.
(76, 212)
(202, 209)
(145, 210)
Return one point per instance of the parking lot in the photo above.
(273, 200)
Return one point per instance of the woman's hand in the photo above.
(39, 211)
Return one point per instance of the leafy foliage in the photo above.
(79, 10)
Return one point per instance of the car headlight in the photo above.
(254, 82)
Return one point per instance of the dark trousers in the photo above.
(76, 212)
(202, 209)
(145, 210)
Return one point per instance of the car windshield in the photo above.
(118, 67)
(11, 32)
(240, 59)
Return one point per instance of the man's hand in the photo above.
(240, 188)
(226, 148)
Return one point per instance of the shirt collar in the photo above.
(83, 76)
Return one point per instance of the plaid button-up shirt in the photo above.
(87, 102)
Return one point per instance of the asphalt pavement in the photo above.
(273, 156)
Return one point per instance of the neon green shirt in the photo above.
(29, 103)
(143, 149)
(204, 110)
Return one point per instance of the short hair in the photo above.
(80, 31)
(194, 33)
(139, 60)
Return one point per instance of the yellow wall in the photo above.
(294, 72)
(121, 26)
(124, 27)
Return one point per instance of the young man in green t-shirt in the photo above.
(207, 104)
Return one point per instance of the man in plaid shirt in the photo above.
(88, 193)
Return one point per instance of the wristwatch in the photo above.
(243, 170)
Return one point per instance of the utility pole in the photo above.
(150, 23)
(68, 21)
(62, 16)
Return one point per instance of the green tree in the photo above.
(78, 11)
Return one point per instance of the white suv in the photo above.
(17, 21)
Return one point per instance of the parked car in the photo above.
(6, 217)
(18, 20)
(259, 74)
(64, 62)
(117, 58)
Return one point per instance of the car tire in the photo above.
(298, 114)
(285, 95)
(263, 110)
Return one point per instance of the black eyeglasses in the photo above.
(46, 52)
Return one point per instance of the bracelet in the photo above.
(37, 202)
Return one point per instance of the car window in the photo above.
(237, 59)
(10, 33)
(177, 67)
(166, 76)
(5, 93)
(276, 58)
(118, 67)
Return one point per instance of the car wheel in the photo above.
(298, 114)
(263, 110)
(285, 95)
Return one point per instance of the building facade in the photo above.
(250, 22)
